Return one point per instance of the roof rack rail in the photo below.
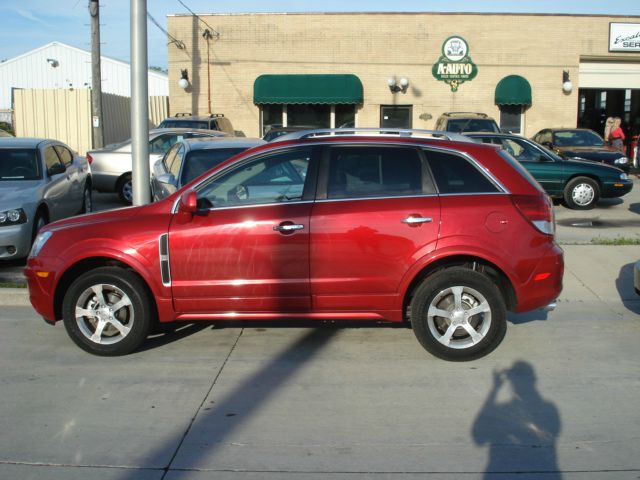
(183, 114)
(216, 115)
(392, 132)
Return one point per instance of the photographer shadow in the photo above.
(521, 433)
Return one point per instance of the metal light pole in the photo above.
(96, 75)
(139, 103)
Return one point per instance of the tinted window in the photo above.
(200, 161)
(184, 124)
(65, 155)
(472, 125)
(162, 143)
(577, 138)
(19, 164)
(374, 172)
(456, 174)
(51, 159)
(274, 178)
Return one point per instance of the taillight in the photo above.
(89, 158)
(538, 210)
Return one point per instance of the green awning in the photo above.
(326, 89)
(513, 90)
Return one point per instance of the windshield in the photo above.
(577, 138)
(200, 161)
(184, 124)
(19, 164)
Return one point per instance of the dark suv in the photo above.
(466, 122)
(215, 121)
(398, 226)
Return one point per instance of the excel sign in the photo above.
(455, 66)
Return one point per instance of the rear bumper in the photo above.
(544, 284)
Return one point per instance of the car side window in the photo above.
(522, 151)
(52, 161)
(356, 172)
(163, 143)
(65, 155)
(455, 174)
(169, 156)
(275, 178)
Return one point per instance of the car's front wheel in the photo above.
(581, 193)
(107, 311)
(458, 314)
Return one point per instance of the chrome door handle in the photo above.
(417, 220)
(288, 228)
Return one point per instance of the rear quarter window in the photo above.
(455, 174)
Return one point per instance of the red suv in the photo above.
(396, 226)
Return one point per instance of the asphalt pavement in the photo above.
(557, 399)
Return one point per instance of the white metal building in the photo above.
(57, 65)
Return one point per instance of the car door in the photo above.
(376, 214)
(75, 176)
(56, 191)
(248, 248)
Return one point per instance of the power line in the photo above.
(209, 27)
(174, 40)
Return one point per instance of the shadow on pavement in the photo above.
(634, 207)
(533, 316)
(521, 432)
(210, 426)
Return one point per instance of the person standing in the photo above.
(616, 136)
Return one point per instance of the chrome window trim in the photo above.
(259, 205)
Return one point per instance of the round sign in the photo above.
(455, 48)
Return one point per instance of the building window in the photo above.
(396, 116)
(271, 117)
(316, 116)
(511, 118)
(344, 116)
(307, 115)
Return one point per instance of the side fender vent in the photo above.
(165, 270)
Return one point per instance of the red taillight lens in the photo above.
(538, 210)
(89, 158)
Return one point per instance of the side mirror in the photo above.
(167, 179)
(188, 202)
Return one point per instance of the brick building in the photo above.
(405, 69)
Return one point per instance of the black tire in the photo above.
(87, 200)
(438, 334)
(94, 325)
(124, 189)
(581, 193)
(39, 221)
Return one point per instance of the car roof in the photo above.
(21, 142)
(222, 142)
(195, 117)
(466, 114)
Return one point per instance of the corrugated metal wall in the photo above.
(66, 116)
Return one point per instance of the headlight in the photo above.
(624, 176)
(12, 217)
(39, 242)
(621, 161)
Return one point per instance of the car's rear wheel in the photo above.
(458, 314)
(107, 311)
(581, 193)
(124, 189)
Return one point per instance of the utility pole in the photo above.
(96, 75)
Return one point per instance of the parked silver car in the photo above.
(40, 181)
(189, 159)
(112, 165)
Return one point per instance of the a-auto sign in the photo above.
(624, 37)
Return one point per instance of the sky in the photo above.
(29, 24)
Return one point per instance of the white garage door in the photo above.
(606, 75)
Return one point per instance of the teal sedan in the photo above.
(579, 184)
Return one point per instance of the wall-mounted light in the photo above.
(398, 86)
(567, 86)
(53, 62)
(184, 79)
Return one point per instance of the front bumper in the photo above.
(42, 278)
(15, 241)
(616, 189)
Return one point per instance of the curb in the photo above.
(14, 296)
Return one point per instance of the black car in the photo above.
(581, 144)
(579, 184)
